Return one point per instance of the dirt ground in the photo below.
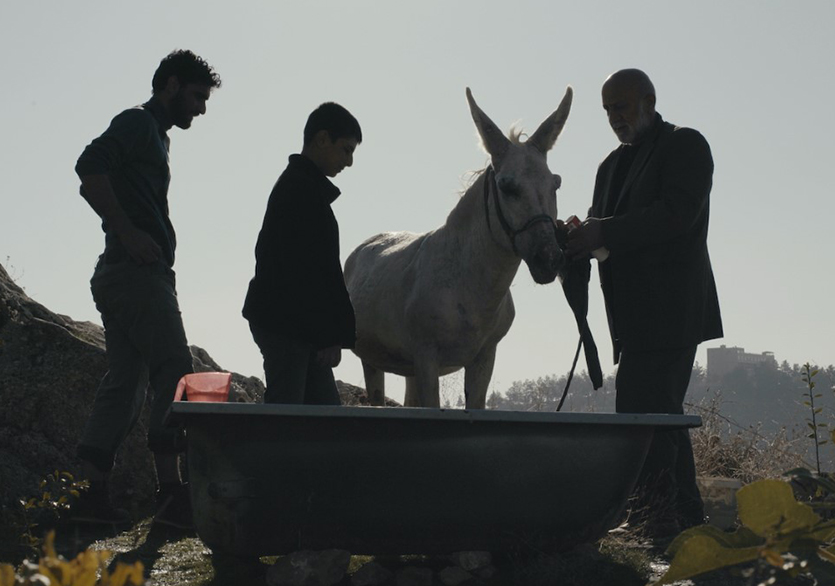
(175, 559)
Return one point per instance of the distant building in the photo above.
(722, 360)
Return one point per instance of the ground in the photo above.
(174, 559)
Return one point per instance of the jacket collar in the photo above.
(652, 133)
(303, 165)
(645, 149)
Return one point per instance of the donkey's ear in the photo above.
(494, 142)
(546, 135)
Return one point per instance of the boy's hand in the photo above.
(330, 357)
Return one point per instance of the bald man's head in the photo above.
(633, 79)
(629, 101)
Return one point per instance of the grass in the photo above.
(723, 448)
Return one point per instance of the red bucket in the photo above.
(211, 387)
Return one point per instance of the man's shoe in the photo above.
(174, 507)
(93, 507)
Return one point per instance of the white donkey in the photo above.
(430, 304)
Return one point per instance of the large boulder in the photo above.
(50, 367)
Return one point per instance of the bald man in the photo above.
(648, 227)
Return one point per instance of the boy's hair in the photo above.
(188, 67)
(336, 120)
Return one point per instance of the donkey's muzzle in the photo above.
(546, 263)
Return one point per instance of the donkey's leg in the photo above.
(477, 377)
(375, 384)
(426, 384)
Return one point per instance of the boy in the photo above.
(297, 305)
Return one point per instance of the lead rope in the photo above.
(571, 373)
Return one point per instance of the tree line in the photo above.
(762, 398)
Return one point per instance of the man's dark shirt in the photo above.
(133, 153)
(299, 290)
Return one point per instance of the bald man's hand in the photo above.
(585, 238)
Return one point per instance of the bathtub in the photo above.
(272, 479)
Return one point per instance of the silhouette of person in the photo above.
(650, 213)
(124, 177)
(297, 305)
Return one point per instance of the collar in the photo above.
(651, 134)
(159, 112)
(304, 165)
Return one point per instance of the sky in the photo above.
(756, 78)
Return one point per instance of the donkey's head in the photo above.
(523, 200)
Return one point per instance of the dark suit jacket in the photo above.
(657, 282)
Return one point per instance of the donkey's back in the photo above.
(380, 274)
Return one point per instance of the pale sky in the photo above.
(756, 78)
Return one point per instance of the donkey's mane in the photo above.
(515, 135)
(465, 206)
(458, 213)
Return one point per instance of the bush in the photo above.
(89, 568)
(724, 448)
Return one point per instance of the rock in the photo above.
(472, 560)
(50, 368)
(486, 573)
(309, 568)
(371, 574)
(414, 576)
(454, 575)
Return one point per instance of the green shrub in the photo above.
(57, 492)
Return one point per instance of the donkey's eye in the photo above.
(508, 187)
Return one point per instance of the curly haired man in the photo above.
(124, 177)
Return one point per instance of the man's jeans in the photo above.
(292, 374)
(146, 344)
